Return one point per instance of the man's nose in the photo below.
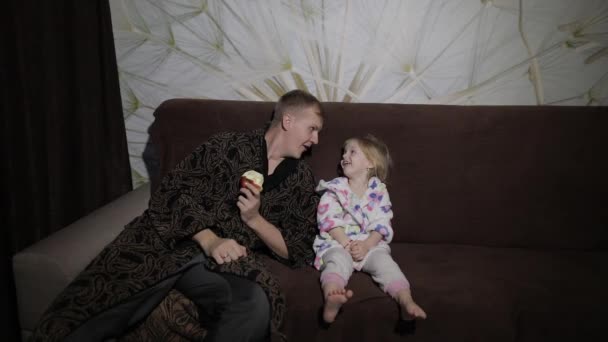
(315, 138)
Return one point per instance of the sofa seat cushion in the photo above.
(534, 276)
(475, 293)
(537, 291)
(371, 314)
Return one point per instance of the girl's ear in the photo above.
(371, 169)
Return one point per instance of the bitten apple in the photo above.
(252, 177)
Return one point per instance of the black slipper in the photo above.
(322, 324)
(405, 327)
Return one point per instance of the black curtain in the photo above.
(64, 150)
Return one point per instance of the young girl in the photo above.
(354, 218)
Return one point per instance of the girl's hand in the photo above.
(358, 250)
(347, 245)
(249, 203)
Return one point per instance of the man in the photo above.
(201, 201)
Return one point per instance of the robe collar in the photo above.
(340, 187)
(281, 172)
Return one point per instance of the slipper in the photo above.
(405, 327)
(322, 324)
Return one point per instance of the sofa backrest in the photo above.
(511, 176)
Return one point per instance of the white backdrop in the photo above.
(466, 52)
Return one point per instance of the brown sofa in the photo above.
(501, 219)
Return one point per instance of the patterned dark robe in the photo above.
(201, 192)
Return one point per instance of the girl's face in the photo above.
(354, 162)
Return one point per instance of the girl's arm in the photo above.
(359, 249)
(380, 222)
(330, 216)
(372, 240)
(379, 228)
(339, 235)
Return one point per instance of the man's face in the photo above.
(302, 128)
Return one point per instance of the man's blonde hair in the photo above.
(376, 152)
(294, 100)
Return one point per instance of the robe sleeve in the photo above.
(382, 215)
(299, 226)
(181, 206)
(330, 213)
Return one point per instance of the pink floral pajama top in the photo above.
(341, 207)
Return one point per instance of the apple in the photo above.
(252, 177)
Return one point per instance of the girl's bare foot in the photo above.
(335, 297)
(409, 309)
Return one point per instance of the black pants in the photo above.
(231, 308)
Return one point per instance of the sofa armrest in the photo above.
(44, 269)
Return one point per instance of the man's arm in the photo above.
(174, 210)
(271, 236)
(291, 242)
(249, 205)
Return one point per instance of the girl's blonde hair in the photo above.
(376, 152)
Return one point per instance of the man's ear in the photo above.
(287, 121)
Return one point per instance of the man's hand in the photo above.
(226, 250)
(222, 250)
(249, 203)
